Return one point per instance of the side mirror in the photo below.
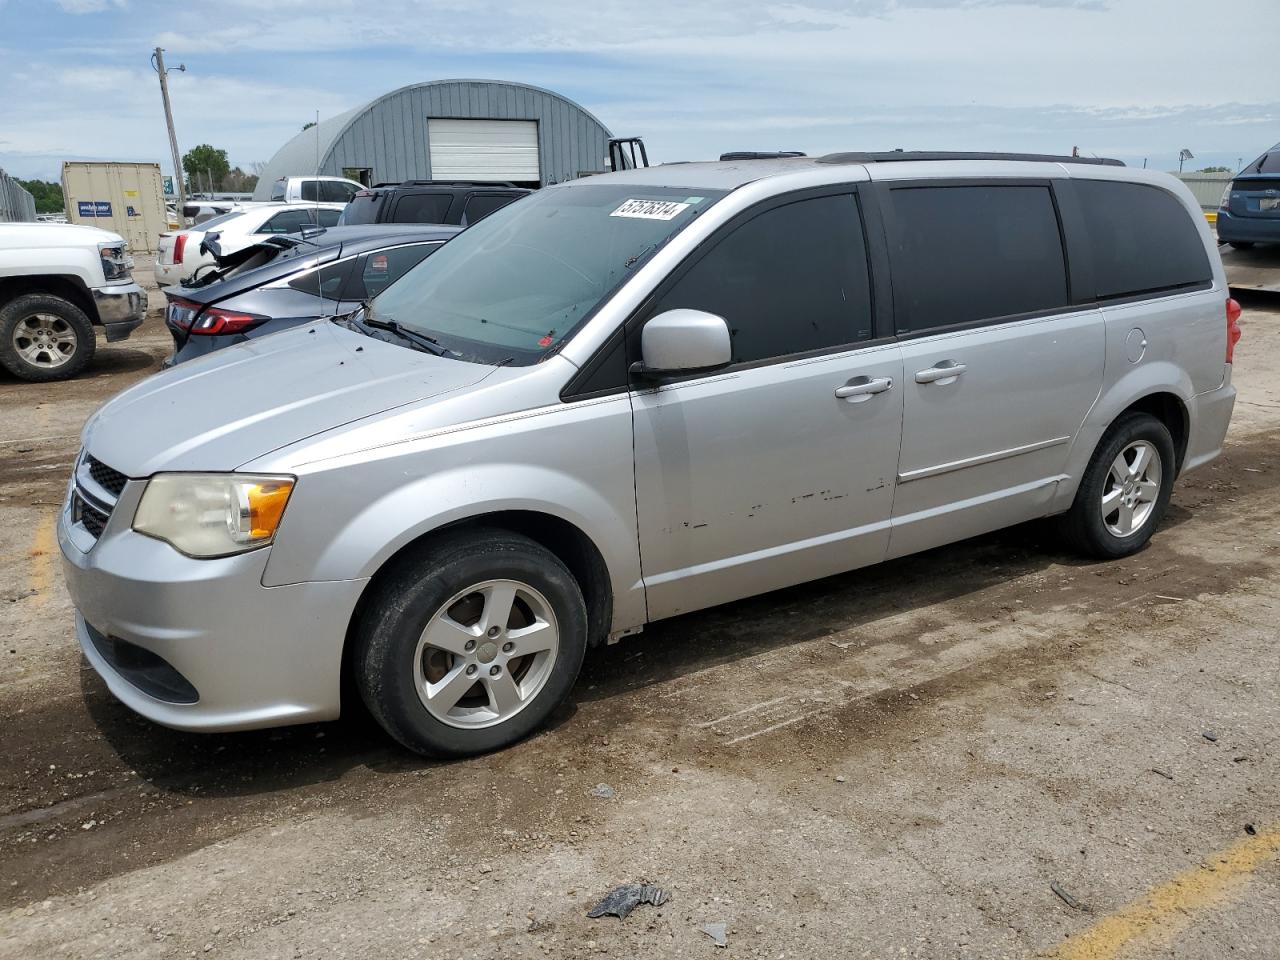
(683, 341)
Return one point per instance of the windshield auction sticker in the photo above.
(650, 209)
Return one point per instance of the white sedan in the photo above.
(179, 254)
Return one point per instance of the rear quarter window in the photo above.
(1141, 239)
(422, 208)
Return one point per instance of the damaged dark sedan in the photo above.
(284, 281)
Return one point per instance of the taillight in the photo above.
(179, 242)
(215, 321)
(1233, 326)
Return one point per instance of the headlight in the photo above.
(116, 262)
(213, 514)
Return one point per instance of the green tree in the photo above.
(1215, 170)
(206, 166)
(47, 195)
(308, 125)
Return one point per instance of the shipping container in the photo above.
(125, 198)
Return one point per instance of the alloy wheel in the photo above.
(44, 340)
(486, 654)
(1131, 489)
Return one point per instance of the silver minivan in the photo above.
(635, 395)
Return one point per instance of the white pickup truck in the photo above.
(57, 282)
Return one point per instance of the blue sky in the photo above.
(1129, 78)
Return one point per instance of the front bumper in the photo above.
(121, 309)
(256, 656)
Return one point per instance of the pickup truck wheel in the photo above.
(471, 647)
(1125, 489)
(43, 337)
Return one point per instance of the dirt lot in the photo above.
(895, 763)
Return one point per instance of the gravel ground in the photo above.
(894, 763)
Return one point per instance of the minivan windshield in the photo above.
(517, 284)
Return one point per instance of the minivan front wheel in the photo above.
(1125, 489)
(472, 646)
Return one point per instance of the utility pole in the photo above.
(157, 63)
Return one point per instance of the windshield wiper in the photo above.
(361, 318)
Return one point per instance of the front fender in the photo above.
(329, 534)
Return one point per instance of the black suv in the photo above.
(461, 202)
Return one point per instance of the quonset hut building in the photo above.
(450, 130)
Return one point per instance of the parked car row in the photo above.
(299, 203)
(625, 398)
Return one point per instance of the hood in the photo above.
(240, 403)
(50, 235)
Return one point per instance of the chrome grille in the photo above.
(97, 488)
(112, 481)
(94, 520)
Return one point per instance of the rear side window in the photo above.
(1141, 239)
(423, 208)
(311, 191)
(790, 280)
(480, 205)
(335, 191)
(278, 188)
(964, 254)
(328, 218)
(363, 208)
(326, 282)
(287, 221)
(380, 269)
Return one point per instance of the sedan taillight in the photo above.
(216, 321)
(179, 242)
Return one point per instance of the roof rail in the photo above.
(761, 154)
(445, 183)
(902, 156)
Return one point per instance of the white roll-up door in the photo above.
(483, 149)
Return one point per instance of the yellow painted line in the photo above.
(44, 548)
(1172, 906)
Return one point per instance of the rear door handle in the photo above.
(945, 372)
(862, 388)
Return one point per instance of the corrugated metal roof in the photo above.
(298, 156)
(389, 134)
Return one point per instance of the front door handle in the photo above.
(948, 371)
(863, 388)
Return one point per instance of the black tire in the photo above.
(20, 310)
(403, 603)
(1082, 526)
(1241, 244)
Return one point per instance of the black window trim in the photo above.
(881, 296)
(1075, 280)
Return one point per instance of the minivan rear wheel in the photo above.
(470, 647)
(1241, 244)
(1125, 489)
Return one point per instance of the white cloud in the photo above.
(693, 77)
(91, 6)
